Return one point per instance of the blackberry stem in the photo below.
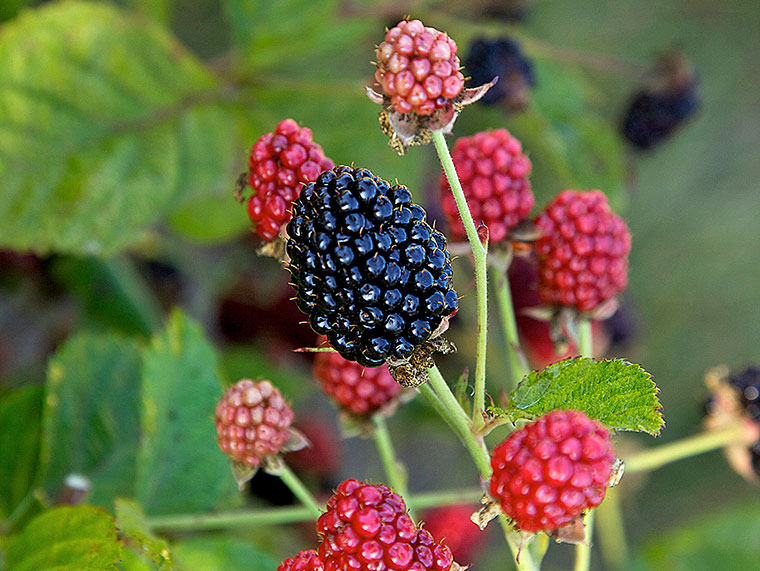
(299, 490)
(292, 514)
(439, 394)
(394, 469)
(480, 254)
(517, 361)
(583, 550)
(693, 445)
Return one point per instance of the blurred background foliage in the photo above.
(123, 126)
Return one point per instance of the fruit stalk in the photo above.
(299, 490)
(517, 360)
(583, 550)
(480, 254)
(394, 470)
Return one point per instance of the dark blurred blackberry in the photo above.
(501, 57)
(747, 384)
(755, 452)
(370, 272)
(664, 103)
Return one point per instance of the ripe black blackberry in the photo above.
(370, 272)
(501, 57)
(669, 97)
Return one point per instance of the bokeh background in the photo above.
(692, 204)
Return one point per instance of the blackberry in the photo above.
(669, 98)
(370, 272)
(747, 385)
(501, 57)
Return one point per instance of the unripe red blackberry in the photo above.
(303, 561)
(367, 528)
(252, 422)
(358, 390)
(370, 272)
(494, 174)
(552, 469)
(582, 252)
(278, 165)
(418, 69)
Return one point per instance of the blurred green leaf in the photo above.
(81, 538)
(9, 8)
(106, 124)
(158, 10)
(725, 540)
(136, 534)
(211, 220)
(19, 445)
(180, 466)
(92, 415)
(221, 554)
(619, 394)
(112, 291)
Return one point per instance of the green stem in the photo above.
(517, 361)
(437, 391)
(299, 490)
(611, 531)
(292, 514)
(394, 470)
(704, 442)
(480, 254)
(583, 550)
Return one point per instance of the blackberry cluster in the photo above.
(504, 59)
(551, 470)
(747, 385)
(303, 561)
(370, 272)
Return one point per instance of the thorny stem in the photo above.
(394, 470)
(661, 455)
(299, 490)
(480, 254)
(583, 550)
(437, 391)
(517, 361)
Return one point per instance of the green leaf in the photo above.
(19, 445)
(725, 540)
(112, 291)
(619, 394)
(180, 466)
(134, 531)
(92, 415)
(65, 538)
(106, 125)
(222, 554)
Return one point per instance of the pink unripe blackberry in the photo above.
(278, 164)
(551, 470)
(252, 422)
(417, 68)
(303, 561)
(358, 390)
(494, 174)
(367, 528)
(582, 252)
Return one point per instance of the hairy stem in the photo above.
(299, 490)
(394, 470)
(517, 361)
(480, 255)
